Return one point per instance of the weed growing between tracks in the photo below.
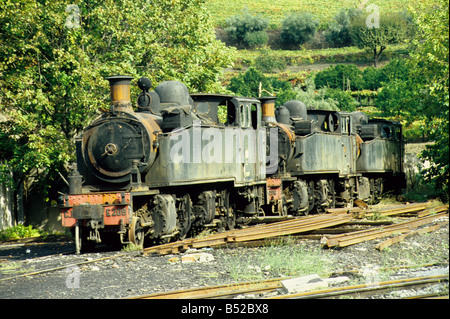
(281, 259)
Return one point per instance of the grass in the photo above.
(20, 231)
(13, 268)
(132, 247)
(275, 11)
(276, 260)
(309, 57)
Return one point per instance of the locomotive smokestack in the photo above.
(120, 92)
(268, 108)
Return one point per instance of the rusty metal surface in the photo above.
(363, 289)
(295, 226)
(379, 232)
(218, 290)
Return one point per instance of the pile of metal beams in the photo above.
(348, 239)
(288, 227)
(308, 224)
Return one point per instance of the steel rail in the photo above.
(373, 288)
(384, 210)
(268, 285)
(217, 291)
(47, 270)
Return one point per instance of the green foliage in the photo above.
(266, 62)
(418, 89)
(392, 29)
(276, 11)
(52, 73)
(394, 96)
(315, 98)
(344, 99)
(395, 69)
(373, 78)
(338, 32)
(19, 231)
(430, 64)
(247, 29)
(298, 28)
(341, 76)
(256, 38)
(248, 83)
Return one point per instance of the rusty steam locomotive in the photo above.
(173, 164)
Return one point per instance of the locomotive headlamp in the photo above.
(144, 84)
(120, 92)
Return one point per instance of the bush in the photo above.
(298, 29)
(344, 99)
(341, 76)
(338, 33)
(315, 99)
(373, 78)
(247, 84)
(268, 63)
(19, 231)
(247, 29)
(256, 38)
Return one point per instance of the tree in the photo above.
(247, 29)
(298, 28)
(340, 76)
(418, 88)
(338, 32)
(430, 66)
(55, 56)
(248, 83)
(392, 28)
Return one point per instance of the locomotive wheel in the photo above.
(184, 220)
(136, 232)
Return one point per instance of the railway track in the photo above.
(219, 291)
(265, 286)
(367, 290)
(65, 266)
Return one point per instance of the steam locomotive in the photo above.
(183, 162)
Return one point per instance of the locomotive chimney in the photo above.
(268, 108)
(120, 92)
